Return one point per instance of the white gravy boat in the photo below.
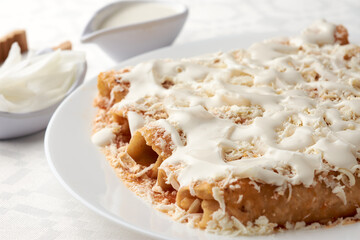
(125, 41)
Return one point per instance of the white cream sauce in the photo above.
(103, 137)
(296, 135)
(136, 121)
(320, 32)
(137, 12)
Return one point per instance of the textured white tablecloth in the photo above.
(33, 205)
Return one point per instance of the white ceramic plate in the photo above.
(84, 172)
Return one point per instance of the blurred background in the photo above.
(49, 22)
(33, 205)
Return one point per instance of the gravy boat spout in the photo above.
(127, 40)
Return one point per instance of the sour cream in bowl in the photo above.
(32, 88)
(124, 29)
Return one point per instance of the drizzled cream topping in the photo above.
(320, 32)
(103, 137)
(278, 113)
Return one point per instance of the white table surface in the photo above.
(33, 204)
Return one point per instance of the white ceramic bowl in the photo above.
(126, 41)
(20, 124)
